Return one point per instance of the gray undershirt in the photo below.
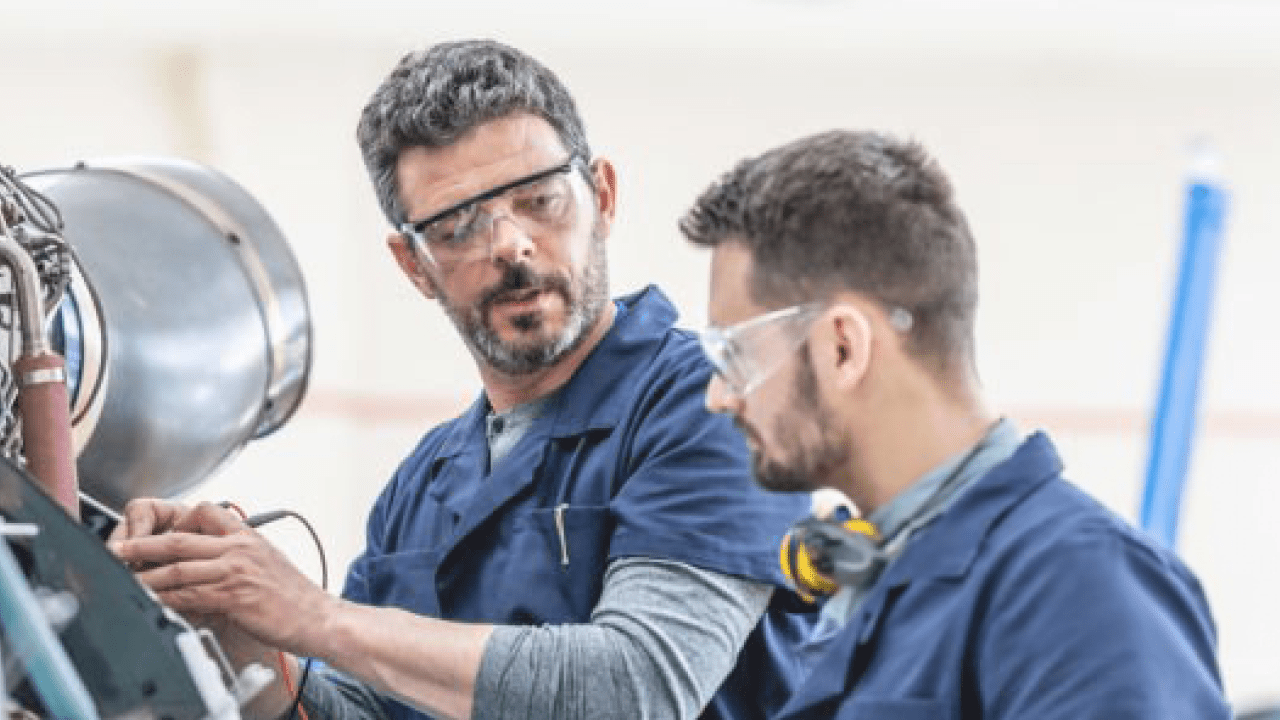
(660, 641)
(662, 638)
(503, 430)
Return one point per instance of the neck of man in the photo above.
(507, 391)
(911, 432)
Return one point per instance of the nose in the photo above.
(720, 399)
(508, 241)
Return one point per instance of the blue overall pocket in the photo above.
(562, 554)
(405, 580)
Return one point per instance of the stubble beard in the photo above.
(806, 464)
(585, 299)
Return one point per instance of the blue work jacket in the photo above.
(1025, 599)
(625, 461)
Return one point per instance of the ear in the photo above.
(850, 345)
(410, 264)
(606, 192)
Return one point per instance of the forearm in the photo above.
(424, 662)
(215, 566)
(661, 641)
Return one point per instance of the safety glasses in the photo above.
(539, 203)
(746, 354)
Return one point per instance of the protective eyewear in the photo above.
(537, 203)
(746, 354)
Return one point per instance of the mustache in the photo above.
(522, 278)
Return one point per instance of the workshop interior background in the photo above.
(1065, 131)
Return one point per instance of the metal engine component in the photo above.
(185, 325)
(183, 321)
(35, 262)
(112, 651)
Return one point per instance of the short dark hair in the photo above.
(860, 211)
(435, 96)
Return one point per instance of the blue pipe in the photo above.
(34, 642)
(1173, 425)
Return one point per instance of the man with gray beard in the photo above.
(586, 541)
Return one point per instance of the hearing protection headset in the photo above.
(821, 556)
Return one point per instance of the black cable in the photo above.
(261, 519)
(297, 699)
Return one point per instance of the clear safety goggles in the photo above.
(746, 354)
(544, 202)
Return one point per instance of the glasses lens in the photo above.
(739, 371)
(546, 203)
(748, 353)
(541, 203)
(725, 357)
(712, 342)
(454, 231)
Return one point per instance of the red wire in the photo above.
(288, 683)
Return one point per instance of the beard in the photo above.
(535, 348)
(806, 463)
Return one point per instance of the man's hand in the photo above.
(149, 516)
(205, 561)
(152, 518)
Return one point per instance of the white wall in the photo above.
(1064, 132)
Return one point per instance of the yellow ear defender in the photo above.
(820, 556)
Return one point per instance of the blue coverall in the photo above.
(1025, 599)
(625, 461)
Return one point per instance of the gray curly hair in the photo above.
(435, 96)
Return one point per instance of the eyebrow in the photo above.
(565, 166)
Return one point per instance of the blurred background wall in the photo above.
(1065, 130)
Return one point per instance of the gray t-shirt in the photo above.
(503, 430)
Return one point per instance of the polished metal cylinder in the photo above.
(186, 327)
